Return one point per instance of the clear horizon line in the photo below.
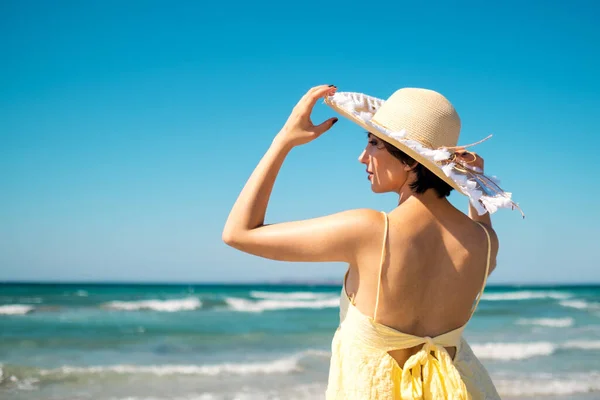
(283, 282)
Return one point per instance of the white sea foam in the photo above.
(522, 351)
(550, 322)
(317, 353)
(288, 296)
(580, 304)
(582, 344)
(21, 384)
(548, 384)
(512, 351)
(308, 391)
(15, 309)
(525, 295)
(203, 396)
(245, 305)
(278, 366)
(173, 305)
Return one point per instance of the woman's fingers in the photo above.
(308, 94)
(470, 159)
(310, 98)
(325, 126)
(318, 91)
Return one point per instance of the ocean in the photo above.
(206, 342)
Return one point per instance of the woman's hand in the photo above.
(471, 160)
(299, 129)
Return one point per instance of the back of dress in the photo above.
(434, 269)
(400, 352)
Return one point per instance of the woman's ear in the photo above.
(409, 168)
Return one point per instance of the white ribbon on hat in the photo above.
(484, 192)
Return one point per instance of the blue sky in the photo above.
(127, 129)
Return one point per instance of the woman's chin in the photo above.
(375, 188)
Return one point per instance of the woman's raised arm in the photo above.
(335, 237)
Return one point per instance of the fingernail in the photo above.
(331, 85)
(334, 121)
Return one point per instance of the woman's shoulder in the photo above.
(365, 222)
(364, 215)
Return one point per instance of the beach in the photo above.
(263, 341)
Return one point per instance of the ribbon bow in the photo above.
(430, 374)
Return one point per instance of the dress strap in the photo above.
(381, 262)
(487, 268)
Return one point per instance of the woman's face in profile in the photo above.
(385, 172)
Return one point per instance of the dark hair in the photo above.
(425, 178)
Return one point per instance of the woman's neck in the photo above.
(430, 198)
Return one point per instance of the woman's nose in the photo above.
(362, 158)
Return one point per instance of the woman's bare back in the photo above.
(433, 270)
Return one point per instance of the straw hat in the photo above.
(423, 124)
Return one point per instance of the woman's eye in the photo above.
(373, 142)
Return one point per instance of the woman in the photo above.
(415, 274)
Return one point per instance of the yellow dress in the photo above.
(362, 369)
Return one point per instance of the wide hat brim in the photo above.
(363, 118)
(484, 192)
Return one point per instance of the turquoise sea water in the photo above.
(263, 341)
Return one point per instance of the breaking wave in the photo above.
(288, 295)
(525, 295)
(549, 384)
(522, 351)
(245, 305)
(16, 309)
(173, 305)
(549, 322)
